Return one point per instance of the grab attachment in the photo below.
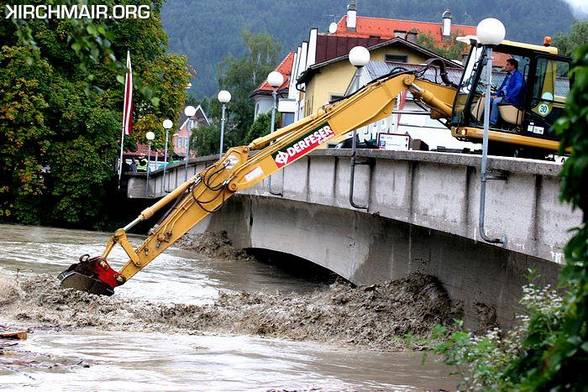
(92, 275)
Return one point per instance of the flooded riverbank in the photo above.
(189, 322)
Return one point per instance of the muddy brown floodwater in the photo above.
(195, 321)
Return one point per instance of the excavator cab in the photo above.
(524, 129)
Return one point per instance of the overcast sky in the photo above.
(579, 5)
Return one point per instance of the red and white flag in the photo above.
(128, 102)
(127, 124)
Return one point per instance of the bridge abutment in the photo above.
(484, 280)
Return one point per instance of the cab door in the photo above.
(551, 85)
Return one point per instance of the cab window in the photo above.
(552, 86)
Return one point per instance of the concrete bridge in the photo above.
(422, 215)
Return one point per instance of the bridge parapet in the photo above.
(438, 191)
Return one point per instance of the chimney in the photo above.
(446, 31)
(351, 15)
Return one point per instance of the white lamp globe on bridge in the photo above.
(224, 96)
(167, 123)
(490, 31)
(189, 111)
(150, 136)
(275, 79)
(359, 56)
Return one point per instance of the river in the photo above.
(95, 359)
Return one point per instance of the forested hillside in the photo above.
(208, 30)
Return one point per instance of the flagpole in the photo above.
(120, 162)
(126, 113)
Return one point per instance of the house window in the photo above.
(396, 58)
(287, 118)
(411, 36)
(400, 34)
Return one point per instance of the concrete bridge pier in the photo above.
(482, 279)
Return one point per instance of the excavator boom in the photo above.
(237, 169)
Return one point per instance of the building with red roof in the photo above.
(367, 26)
(351, 30)
(285, 68)
(262, 96)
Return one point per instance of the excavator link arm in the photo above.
(206, 192)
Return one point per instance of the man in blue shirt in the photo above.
(510, 91)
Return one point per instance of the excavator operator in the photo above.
(510, 91)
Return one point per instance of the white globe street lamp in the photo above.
(491, 32)
(358, 57)
(189, 111)
(275, 79)
(150, 136)
(224, 97)
(167, 125)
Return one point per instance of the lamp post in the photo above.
(358, 57)
(275, 79)
(224, 97)
(490, 32)
(189, 111)
(167, 124)
(150, 136)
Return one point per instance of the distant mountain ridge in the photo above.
(208, 30)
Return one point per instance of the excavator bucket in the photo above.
(92, 275)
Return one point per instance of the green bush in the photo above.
(488, 362)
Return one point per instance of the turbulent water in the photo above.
(191, 322)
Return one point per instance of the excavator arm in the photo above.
(239, 168)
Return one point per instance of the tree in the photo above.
(61, 110)
(260, 127)
(206, 139)
(568, 43)
(241, 76)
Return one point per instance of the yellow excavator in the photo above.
(525, 129)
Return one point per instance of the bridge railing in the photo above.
(434, 190)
